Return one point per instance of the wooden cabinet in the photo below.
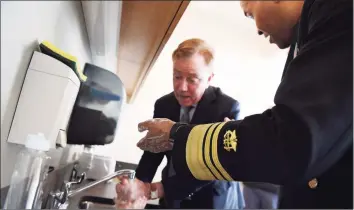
(146, 26)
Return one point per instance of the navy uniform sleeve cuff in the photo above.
(179, 134)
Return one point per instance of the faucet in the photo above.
(59, 199)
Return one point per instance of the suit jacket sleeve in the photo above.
(308, 129)
(149, 162)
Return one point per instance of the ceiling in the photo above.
(127, 37)
(247, 66)
(146, 26)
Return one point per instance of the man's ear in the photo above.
(210, 77)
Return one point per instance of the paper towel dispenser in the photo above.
(95, 115)
(46, 101)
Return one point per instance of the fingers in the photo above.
(125, 181)
(226, 119)
(141, 143)
(139, 203)
(154, 137)
(123, 186)
(130, 196)
(124, 195)
(121, 179)
(146, 125)
(149, 139)
(146, 144)
(120, 204)
(119, 188)
(143, 126)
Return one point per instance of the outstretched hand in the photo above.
(158, 135)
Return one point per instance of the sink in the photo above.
(97, 197)
(93, 202)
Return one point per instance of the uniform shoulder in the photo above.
(327, 9)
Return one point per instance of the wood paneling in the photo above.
(146, 26)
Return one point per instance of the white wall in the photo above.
(247, 68)
(22, 23)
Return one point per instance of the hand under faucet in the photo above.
(57, 199)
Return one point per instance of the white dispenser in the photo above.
(46, 101)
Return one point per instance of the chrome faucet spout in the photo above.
(58, 199)
(130, 173)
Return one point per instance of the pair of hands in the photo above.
(131, 193)
(157, 137)
(134, 194)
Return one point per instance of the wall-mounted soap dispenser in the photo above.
(95, 116)
(46, 101)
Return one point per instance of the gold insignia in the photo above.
(230, 140)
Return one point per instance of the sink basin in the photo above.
(93, 202)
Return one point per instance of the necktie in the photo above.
(185, 114)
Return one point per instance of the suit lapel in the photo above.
(203, 108)
(174, 110)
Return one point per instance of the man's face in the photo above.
(191, 76)
(271, 20)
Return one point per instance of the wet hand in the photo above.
(131, 194)
(157, 137)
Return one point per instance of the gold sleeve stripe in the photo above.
(207, 149)
(194, 153)
(214, 153)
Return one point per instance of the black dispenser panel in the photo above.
(97, 108)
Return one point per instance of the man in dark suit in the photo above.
(192, 101)
(304, 142)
